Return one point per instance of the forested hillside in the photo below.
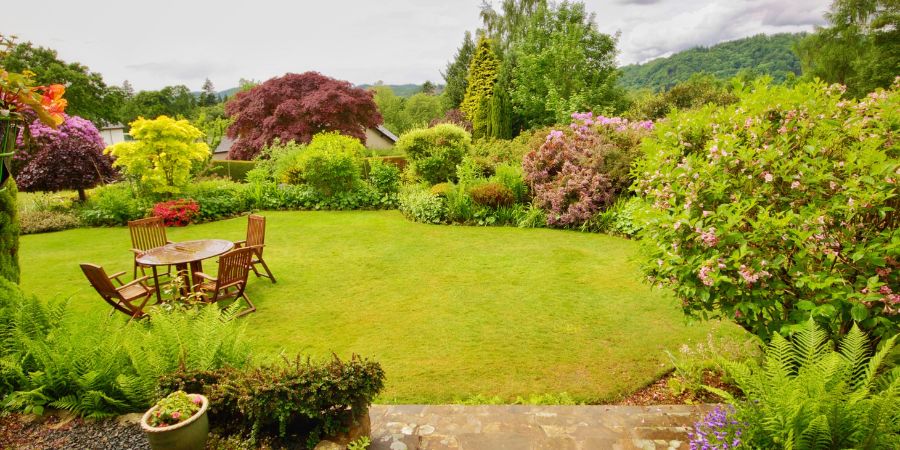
(763, 54)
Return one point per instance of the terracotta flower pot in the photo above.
(188, 435)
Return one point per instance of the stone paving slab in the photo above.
(522, 427)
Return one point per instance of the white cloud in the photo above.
(166, 42)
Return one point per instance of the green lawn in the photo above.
(449, 311)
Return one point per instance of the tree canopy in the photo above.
(172, 101)
(296, 107)
(88, 96)
(68, 157)
(162, 153)
(457, 71)
(860, 48)
(770, 55)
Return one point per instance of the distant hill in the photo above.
(764, 54)
(401, 90)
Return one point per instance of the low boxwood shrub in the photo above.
(299, 398)
(780, 208)
(9, 232)
(420, 205)
(435, 152)
(43, 221)
(492, 195)
(331, 164)
(232, 169)
(112, 205)
(384, 177)
(218, 199)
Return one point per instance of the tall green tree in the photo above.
(87, 94)
(172, 101)
(208, 95)
(860, 48)
(563, 64)
(457, 71)
(508, 24)
(501, 113)
(483, 73)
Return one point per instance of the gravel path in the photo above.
(58, 431)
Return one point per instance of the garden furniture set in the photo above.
(154, 252)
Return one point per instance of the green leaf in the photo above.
(859, 312)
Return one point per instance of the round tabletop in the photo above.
(184, 252)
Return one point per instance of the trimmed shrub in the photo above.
(235, 170)
(9, 233)
(422, 206)
(780, 208)
(331, 164)
(492, 195)
(384, 177)
(112, 205)
(442, 189)
(176, 213)
(435, 152)
(301, 398)
(32, 222)
(218, 199)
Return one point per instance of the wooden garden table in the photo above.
(183, 255)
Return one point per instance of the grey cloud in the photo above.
(182, 70)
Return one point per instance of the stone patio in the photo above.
(514, 427)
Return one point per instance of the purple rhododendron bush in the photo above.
(579, 172)
(779, 208)
(67, 157)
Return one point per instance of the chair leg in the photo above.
(266, 268)
(250, 306)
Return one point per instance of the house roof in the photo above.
(224, 145)
(386, 133)
(113, 126)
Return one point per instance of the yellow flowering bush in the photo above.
(162, 154)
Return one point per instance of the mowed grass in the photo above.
(450, 312)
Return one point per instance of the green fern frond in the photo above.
(855, 351)
(810, 343)
(817, 435)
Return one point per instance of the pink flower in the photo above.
(795, 185)
(176, 415)
(704, 275)
(709, 237)
(768, 177)
(197, 400)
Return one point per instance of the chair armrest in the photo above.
(116, 276)
(239, 244)
(140, 280)
(137, 252)
(204, 276)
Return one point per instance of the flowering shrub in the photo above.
(718, 430)
(577, 173)
(422, 206)
(493, 195)
(174, 409)
(779, 208)
(176, 213)
(69, 156)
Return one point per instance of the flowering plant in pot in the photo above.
(177, 422)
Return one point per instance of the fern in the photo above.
(807, 395)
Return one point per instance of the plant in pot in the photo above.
(177, 422)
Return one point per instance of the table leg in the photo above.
(196, 266)
(156, 285)
(182, 270)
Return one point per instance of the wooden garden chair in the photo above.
(129, 298)
(256, 237)
(147, 234)
(231, 279)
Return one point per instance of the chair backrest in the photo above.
(234, 266)
(99, 280)
(256, 231)
(147, 233)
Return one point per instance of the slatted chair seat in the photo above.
(256, 237)
(147, 234)
(231, 279)
(129, 298)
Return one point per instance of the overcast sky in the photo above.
(153, 43)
